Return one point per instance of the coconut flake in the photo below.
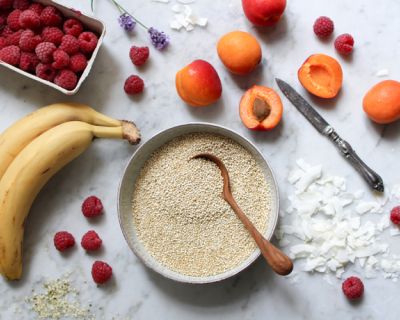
(382, 73)
(185, 18)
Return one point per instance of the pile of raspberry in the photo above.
(92, 207)
(38, 39)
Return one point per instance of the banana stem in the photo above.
(127, 131)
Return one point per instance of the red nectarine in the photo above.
(264, 13)
(198, 84)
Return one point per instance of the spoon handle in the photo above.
(278, 261)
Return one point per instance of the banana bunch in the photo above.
(31, 152)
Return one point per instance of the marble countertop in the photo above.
(137, 293)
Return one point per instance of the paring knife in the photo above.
(323, 127)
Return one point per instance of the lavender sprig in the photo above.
(126, 22)
(159, 39)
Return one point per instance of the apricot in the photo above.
(261, 108)
(239, 51)
(382, 102)
(321, 75)
(264, 13)
(198, 84)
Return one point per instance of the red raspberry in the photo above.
(37, 7)
(101, 272)
(6, 4)
(134, 85)
(3, 20)
(91, 241)
(13, 39)
(78, 62)
(44, 51)
(21, 4)
(6, 32)
(10, 55)
(323, 27)
(63, 240)
(66, 79)
(53, 35)
(45, 72)
(69, 44)
(139, 55)
(13, 20)
(92, 207)
(395, 215)
(87, 42)
(28, 61)
(3, 42)
(51, 16)
(344, 44)
(353, 288)
(61, 59)
(29, 41)
(73, 27)
(29, 19)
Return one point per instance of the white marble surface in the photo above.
(256, 293)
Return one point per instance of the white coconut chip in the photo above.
(382, 73)
(185, 18)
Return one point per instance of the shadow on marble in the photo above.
(212, 294)
(327, 104)
(254, 78)
(261, 137)
(236, 290)
(274, 34)
(388, 132)
(95, 91)
(210, 113)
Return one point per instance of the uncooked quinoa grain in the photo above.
(180, 215)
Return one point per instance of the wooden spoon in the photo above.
(278, 261)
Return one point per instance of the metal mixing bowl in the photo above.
(127, 187)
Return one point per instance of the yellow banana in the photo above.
(16, 137)
(30, 171)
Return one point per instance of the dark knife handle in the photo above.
(373, 179)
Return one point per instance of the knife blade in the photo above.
(323, 127)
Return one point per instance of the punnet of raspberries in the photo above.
(39, 40)
(92, 207)
(101, 272)
(353, 288)
(323, 27)
(91, 241)
(344, 44)
(63, 240)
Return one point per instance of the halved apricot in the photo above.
(321, 75)
(261, 108)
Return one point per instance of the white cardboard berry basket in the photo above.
(88, 21)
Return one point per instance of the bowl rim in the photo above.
(227, 274)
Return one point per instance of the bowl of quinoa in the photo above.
(171, 209)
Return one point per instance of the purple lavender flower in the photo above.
(126, 22)
(159, 39)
